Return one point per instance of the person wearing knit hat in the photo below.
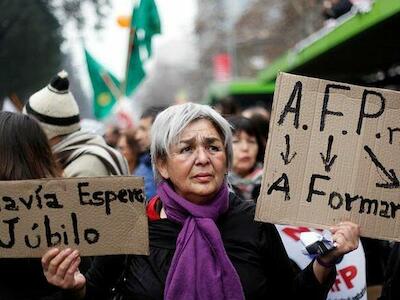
(80, 154)
(55, 107)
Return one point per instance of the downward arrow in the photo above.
(285, 156)
(391, 175)
(328, 162)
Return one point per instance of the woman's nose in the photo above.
(244, 145)
(202, 156)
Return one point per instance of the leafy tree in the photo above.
(31, 38)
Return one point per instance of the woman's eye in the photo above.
(186, 149)
(214, 148)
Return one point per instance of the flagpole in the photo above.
(128, 59)
(115, 91)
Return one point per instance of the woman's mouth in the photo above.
(203, 177)
(245, 159)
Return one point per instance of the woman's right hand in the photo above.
(61, 269)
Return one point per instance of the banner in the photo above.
(350, 280)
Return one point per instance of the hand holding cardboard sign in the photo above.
(61, 269)
(346, 237)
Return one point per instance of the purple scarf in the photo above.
(200, 268)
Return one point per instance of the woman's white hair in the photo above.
(170, 123)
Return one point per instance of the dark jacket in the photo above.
(23, 279)
(391, 286)
(145, 170)
(255, 249)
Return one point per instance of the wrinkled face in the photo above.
(245, 149)
(197, 162)
(143, 134)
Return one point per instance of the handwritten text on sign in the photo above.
(98, 216)
(332, 155)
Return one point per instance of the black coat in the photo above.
(255, 249)
(23, 279)
(391, 286)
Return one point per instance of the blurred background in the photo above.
(123, 56)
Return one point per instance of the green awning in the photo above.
(357, 46)
(240, 89)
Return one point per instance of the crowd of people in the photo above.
(202, 171)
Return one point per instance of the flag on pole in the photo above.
(106, 87)
(145, 23)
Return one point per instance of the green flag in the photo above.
(105, 87)
(145, 23)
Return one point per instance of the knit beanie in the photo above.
(55, 107)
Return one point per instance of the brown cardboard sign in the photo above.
(333, 154)
(97, 215)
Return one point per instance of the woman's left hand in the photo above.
(346, 236)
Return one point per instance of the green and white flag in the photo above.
(105, 87)
(145, 23)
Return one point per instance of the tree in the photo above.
(30, 41)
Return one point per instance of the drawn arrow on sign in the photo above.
(391, 175)
(327, 160)
(285, 156)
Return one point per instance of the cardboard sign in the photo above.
(333, 154)
(98, 216)
(350, 282)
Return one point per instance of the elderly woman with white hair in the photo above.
(204, 242)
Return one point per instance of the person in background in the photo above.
(260, 117)
(333, 9)
(25, 154)
(112, 135)
(129, 147)
(204, 242)
(143, 138)
(257, 110)
(227, 107)
(80, 154)
(246, 173)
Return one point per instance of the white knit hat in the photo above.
(55, 107)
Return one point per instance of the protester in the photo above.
(257, 110)
(112, 135)
(143, 138)
(333, 9)
(24, 154)
(246, 173)
(204, 242)
(227, 107)
(81, 154)
(129, 148)
(260, 117)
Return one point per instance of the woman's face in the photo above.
(197, 163)
(245, 149)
